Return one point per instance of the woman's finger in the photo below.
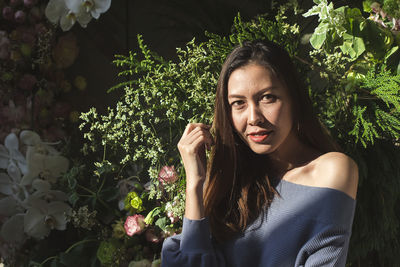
(191, 126)
(196, 133)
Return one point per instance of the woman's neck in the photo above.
(291, 154)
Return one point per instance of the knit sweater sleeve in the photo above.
(331, 235)
(328, 248)
(193, 247)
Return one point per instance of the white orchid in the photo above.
(78, 10)
(46, 167)
(44, 192)
(9, 183)
(96, 7)
(32, 139)
(43, 160)
(32, 207)
(14, 193)
(67, 12)
(9, 153)
(42, 217)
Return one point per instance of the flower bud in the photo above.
(29, 3)
(20, 16)
(8, 13)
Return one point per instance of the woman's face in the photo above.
(260, 108)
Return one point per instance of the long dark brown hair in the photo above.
(238, 186)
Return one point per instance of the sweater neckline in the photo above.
(310, 187)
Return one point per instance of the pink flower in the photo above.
(27, 82)
(171, 217)
(8, 13)
(20, 16)
(134, 224)
(167, 174)
(29, 3)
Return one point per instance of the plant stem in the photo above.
(46, 260)
(102, 184)
(86, 189)
(104, 152)
(80, 242)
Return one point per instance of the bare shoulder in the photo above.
(338, 171)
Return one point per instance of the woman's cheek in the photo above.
(238, 121)
(273, 114)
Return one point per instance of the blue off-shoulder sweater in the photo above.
(304, 226)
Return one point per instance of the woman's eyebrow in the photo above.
(272, 88)
(236, 96)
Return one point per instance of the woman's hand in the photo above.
(195, 139)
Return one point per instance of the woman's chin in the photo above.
(261, 149)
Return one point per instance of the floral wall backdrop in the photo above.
(93, 178)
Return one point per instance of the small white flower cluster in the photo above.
(27, 202)
(67, 12)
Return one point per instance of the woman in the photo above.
(276, 192)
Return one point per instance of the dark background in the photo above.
(164, 25)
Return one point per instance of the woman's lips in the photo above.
(259, 137)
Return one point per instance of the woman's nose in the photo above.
(255, 115)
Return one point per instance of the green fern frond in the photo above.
(385, 86)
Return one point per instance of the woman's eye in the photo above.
(269, 98)
(237, 103)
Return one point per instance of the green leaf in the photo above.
(367, 6)
(353, 46)
(72, 183)
(150, 217)
(322, 28)
(348, 49)
(72, 258)
(73, 198)
(363, 25)
(359, 46)
(354, 13)
(109, 194)
(392, 58)
(317, 40)
(398, 69)
(162, 223)
(315, 10)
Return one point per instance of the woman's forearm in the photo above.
(194, 208)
